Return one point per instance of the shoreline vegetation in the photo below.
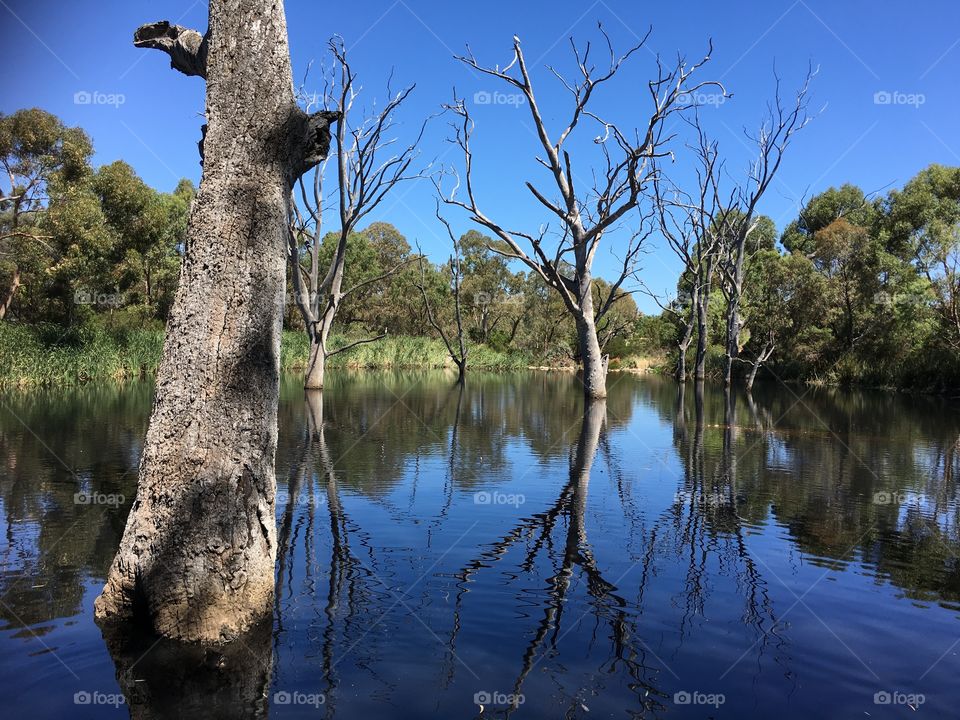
(49, 356)
(861, 289)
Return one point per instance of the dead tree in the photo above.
(196, 561)
(585, 215)
(765, 354)
(456, 347)
(737, 222)
(686, 222)
(363, 179)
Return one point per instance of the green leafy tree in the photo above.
(784, 303)
(42, 160)
(924, 218)
(148, 229)
(848, 202)
(486, 291)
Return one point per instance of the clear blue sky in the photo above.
(52, 49)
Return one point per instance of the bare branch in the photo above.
(365, 341)
(187, 48)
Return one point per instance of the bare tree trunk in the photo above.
(706, 269)
(765, 352)
(316, 365)
(591, 354)
(362, 182)
(753, 374)
(703, 331)
(14, 286)
(593, 360)
(197, 557)
(684, 344)
(681, 371)
(735, 295)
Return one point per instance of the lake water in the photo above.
(789, 555)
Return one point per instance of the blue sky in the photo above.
(53, 49)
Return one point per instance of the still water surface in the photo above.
(789, 555)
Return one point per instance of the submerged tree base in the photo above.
(163, 678)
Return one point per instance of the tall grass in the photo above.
(49, 355)
(400, 351)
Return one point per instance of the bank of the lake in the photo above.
(51, 355)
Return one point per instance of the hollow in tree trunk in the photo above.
(196, 561)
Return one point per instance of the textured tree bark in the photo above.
(196, 561)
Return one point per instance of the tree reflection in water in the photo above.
(653, 520)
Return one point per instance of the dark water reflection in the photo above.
(791, 554)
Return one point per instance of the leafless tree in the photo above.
(456, 346)
(713, 230)
(364, 178)
(737, 223)
(687, 223)
(586, 211)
